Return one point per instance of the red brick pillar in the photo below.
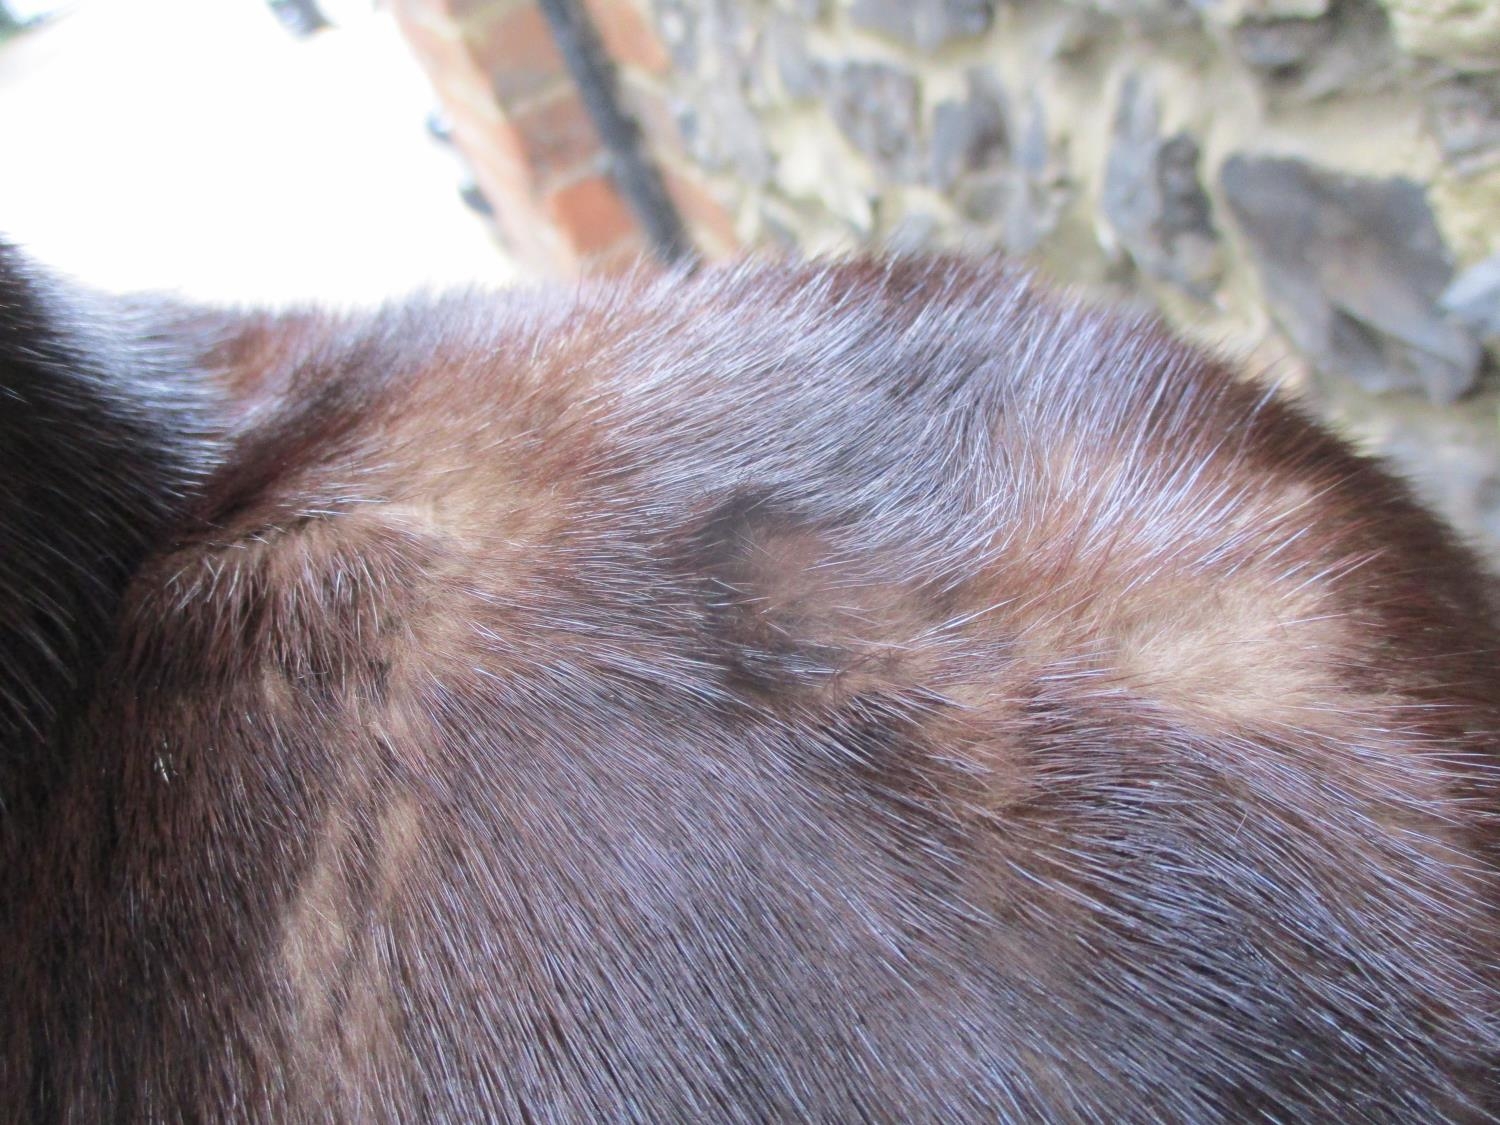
(517, 115)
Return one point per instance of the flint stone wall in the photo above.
(1312, 185)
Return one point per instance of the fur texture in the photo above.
(874, 692)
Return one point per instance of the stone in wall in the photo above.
(677, 25)
(704, 38)
(876, 106)
(1153, 199)
(1474, 299)
(986, 200)
(1041, 188)
(785, 67)
(971, 135)
(722, 133)
(924, 24)
(718, 128)
(1346, 47)
(1353, 269)
(1464, 116)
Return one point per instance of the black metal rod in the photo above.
(633, 171)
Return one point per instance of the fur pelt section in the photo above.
(880, 691)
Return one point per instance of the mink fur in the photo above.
(879, 691)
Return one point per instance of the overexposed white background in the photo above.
(197, 146)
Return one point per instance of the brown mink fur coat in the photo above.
(870, 692)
